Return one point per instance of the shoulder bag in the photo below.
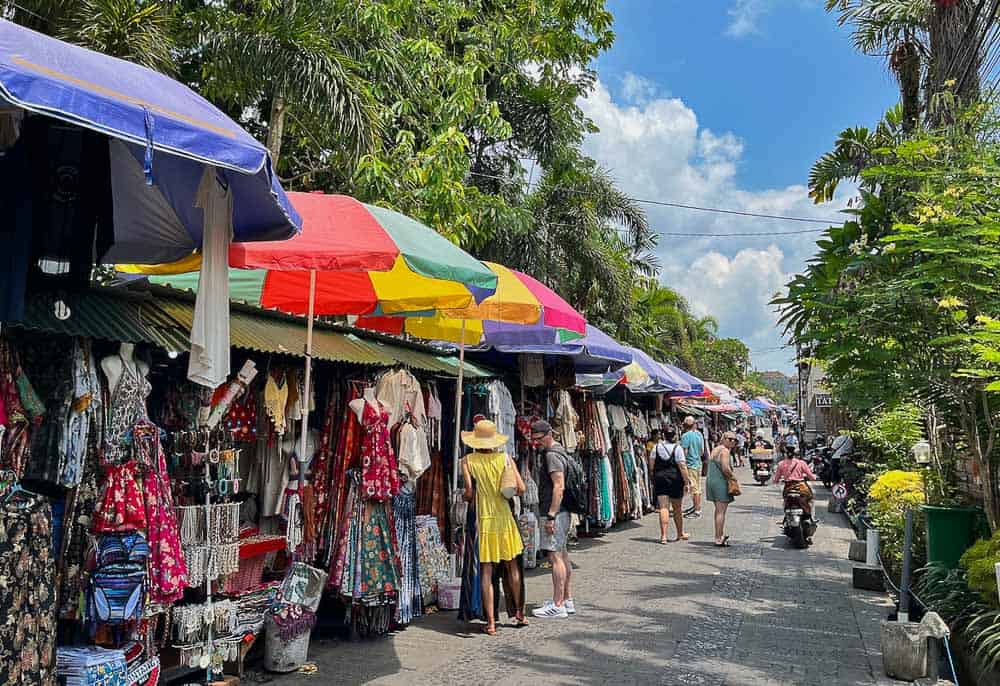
(508, 479)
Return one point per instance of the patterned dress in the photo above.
(380, 477)
(121, 506)
(27, 594)
(168, 575)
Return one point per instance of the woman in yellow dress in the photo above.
(499, 537)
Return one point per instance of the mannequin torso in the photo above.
(358, 405)
(114, 366)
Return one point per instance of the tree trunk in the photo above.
(276, 129)
(955, 52)
(276, 122)
(906, 65)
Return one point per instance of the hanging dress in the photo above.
(168, 575)
(380, 477)
(27, 596)
(121, 506)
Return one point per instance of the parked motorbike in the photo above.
(799, 524)
(821, 462)
(761, 464)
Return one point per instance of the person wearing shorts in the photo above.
(555, 522)
(668, 465)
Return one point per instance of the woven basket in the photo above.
(248, 577)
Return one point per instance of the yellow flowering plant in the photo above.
(889, 498)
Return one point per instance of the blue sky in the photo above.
(727, 103)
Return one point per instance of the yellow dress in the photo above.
(499, 537)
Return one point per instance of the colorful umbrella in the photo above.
(519, 300)
(519, 309)
(352, 258)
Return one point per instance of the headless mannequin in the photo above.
(114, 366)
(358, 405)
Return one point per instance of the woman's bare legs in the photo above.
(663, 510)
(720, 521)
(486, 583)
(677, 505)
(514, 574)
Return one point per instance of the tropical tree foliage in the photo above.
(900, 301)
(463, 114)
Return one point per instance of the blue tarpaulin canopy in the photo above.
(595, 352)
(165, 134)
(662, 378)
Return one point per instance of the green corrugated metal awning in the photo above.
(268, 333)
(691, 410)
(437, 364)
(159, 318)
(471, 370)
(109, 315)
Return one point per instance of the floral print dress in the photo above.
(380, 475)
(27, 593)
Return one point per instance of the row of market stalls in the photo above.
(194, 454)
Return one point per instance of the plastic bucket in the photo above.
(950, 532)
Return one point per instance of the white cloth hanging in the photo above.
(400, 392)
(414, 456)
(209, 363)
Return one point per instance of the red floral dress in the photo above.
(379, 474)
(168, 574)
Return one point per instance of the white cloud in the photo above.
(658, 151)
(638, 90)
(744, 17)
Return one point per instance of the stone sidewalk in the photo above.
(757, 613)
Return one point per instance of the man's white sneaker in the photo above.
(550, 611)
(570, 607)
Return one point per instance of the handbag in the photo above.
(508, 479)
(733, 486)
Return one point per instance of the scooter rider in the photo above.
(796, 474)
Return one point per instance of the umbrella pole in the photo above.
(303, 459)
(458, 411)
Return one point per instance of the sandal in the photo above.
(664, 541)
(724, 543)
(683, 537)
(490, 630)
(519, 621)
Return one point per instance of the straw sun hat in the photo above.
(484, 435)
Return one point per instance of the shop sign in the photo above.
(824, 400)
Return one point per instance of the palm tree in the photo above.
(587, 239)
(898, 30)
(286, 55)
(250, 55)
(134, 30)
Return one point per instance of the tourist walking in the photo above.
(668, 465)
(693, 443)
(499, 537)
(556, 522)
(720, 471)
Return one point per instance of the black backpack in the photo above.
(575, 491)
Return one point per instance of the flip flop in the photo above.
(664, 541)
(490, 630)
(520, 622)
(724, 544)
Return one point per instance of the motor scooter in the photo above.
(821, 462)
(799, 524)
(761, 464)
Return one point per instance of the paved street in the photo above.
(758, 613)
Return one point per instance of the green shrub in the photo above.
(889, 498)
(979, 564)
(892, 432)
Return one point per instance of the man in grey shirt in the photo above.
(556, 523)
